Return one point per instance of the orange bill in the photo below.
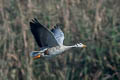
(84, 46)
(37, 57)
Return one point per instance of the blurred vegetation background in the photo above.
(95, 23)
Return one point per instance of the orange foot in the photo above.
(37, 57)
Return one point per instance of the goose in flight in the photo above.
(49, 41)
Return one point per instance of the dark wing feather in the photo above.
(58, 34)
(42, 35)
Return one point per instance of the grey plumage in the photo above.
(42, 35)
(49, 41)
(58, 34)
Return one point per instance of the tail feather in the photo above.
(34, 53)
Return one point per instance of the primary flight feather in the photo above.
(49, 41)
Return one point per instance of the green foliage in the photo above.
(95, 23)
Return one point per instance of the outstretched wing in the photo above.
(58, 34)
(42, 35)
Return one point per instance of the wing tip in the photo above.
(34, 20)
(58, 25)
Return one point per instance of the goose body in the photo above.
(50, 42)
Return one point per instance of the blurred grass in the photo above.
(92, 22)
